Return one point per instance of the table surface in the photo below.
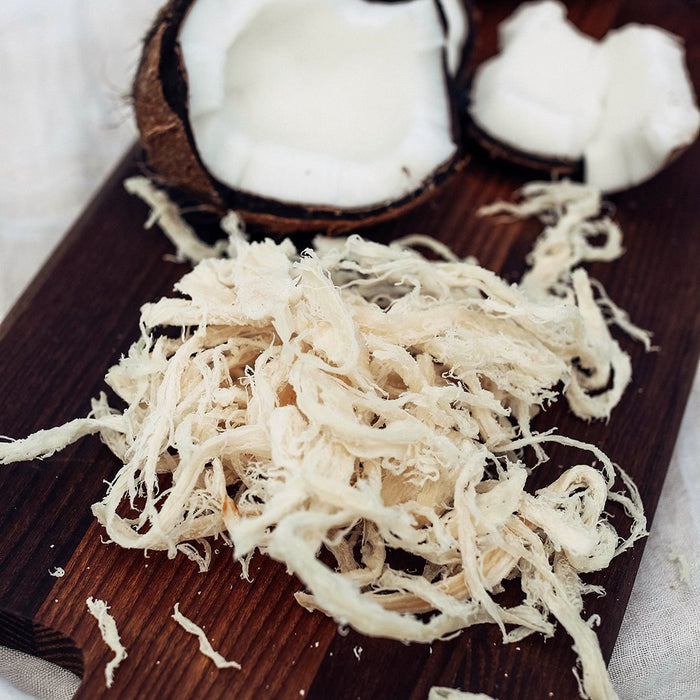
(64, 131)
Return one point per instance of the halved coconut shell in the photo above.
(613, 111)
(161, 109)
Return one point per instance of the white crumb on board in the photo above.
(58, 572)
(205, 646)
(108, 630)
(358, 652)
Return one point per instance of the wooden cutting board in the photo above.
(81, 313)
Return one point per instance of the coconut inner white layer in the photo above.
(624, 104)
(318, 102)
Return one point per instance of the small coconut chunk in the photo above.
(319, 102)
(624, 105)
(541, 93)
(650, 109)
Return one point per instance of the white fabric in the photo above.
(36, 678)
(65, 74)
(657, 656)
(65, 71)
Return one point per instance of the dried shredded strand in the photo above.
(108, 630)
(572, 214)
(202, 560)
(45, 443)
(164, 212)
(205, 646)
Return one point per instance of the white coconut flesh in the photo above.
(623, 104)
(320, 102)
(457, 28)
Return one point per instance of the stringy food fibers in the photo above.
(205, 646)
(110, 635)
(359, 400)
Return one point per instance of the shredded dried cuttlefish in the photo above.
(110, 635)
(205, 647)
(363, 400)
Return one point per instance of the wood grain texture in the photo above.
(81, 313)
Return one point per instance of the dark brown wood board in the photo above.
(81, 313)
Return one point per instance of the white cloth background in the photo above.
(65, 72)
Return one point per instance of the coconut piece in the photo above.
(333, 102)
(303, 114)
(650, 111)
(620, 108)
(541, 94)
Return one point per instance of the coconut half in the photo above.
(622, 107)
(303, 114)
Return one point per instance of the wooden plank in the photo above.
(81, 313)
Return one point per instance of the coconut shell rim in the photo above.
(497, 148)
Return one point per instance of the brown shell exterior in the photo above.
(164, 135)
(160, 106)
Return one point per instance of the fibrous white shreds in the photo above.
(205, 646)
(108, 630)
(164, 212)
(361, 399)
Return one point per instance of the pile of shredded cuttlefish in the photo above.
(357, 400)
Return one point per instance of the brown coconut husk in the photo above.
(165, 133)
